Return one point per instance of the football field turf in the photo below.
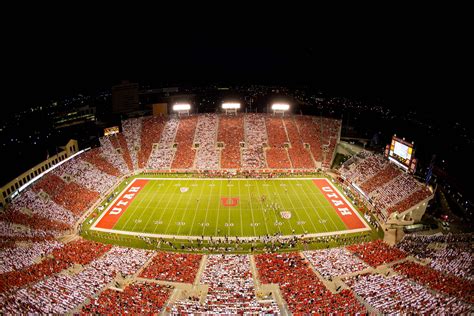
(160, 207)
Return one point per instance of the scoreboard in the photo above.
(401, 153)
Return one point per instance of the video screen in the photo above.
(401, 151)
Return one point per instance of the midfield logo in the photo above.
(230, 201)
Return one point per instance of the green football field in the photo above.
(217, 207)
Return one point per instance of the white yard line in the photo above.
(251, 210)
(152, 216)
(228, 210)
(164, 209)
(304, 208)
(218, 211)
(196, 210)
(328, 215)
(240, 210)
(315, 209)
(175, 207)
(281, 204)
(138, 206)
(184, 212)
(269, 199)
(207, 211)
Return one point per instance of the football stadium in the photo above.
(227, 212)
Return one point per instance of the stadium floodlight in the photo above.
(181, 107)
(280, 107)
(228, 106)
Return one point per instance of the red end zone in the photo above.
(345, 211)
(116, 210)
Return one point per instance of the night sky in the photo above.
(419, 66)
(409, 59)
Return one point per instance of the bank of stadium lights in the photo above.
(182, 108)
(280, 108)
(230, 107)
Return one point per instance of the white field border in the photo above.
(253, 238)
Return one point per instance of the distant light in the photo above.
(182, 107)
(280, 106)
(231, 105)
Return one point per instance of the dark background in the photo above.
(416, 57)
(407, 59)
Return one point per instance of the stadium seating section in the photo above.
(215, 142)
(43, 274)
(390, 189)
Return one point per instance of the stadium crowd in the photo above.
(377, 252)
(185, 153)
(95, 157)
(62, 293)
(207, 155)
(255, 137)
(277, 155)
(231, 134)
(334, 262)
(451, 254)
(162, 155)
(14, 259)
(436, 280)
(25, 218)
(191, 142)
(132, 131)
(71, 195)
(173, 267)
(300, 156)
(76, 252)
(42, 207)
(389, 189)
(396, 295)
(231, 289)
(112, 155)
(135, 299)
(310, 130)
(39, 274)
(152, 128)
(302, 290)
(120, 144)
(86, 175)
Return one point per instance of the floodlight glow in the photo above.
(280, 106)
(230, 106)
(182, 107)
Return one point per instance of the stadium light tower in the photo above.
(182, 108)
(280, 108)
(229, 107)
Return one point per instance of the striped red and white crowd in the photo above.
(42, 274)
(388, 188)
(231, 290)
